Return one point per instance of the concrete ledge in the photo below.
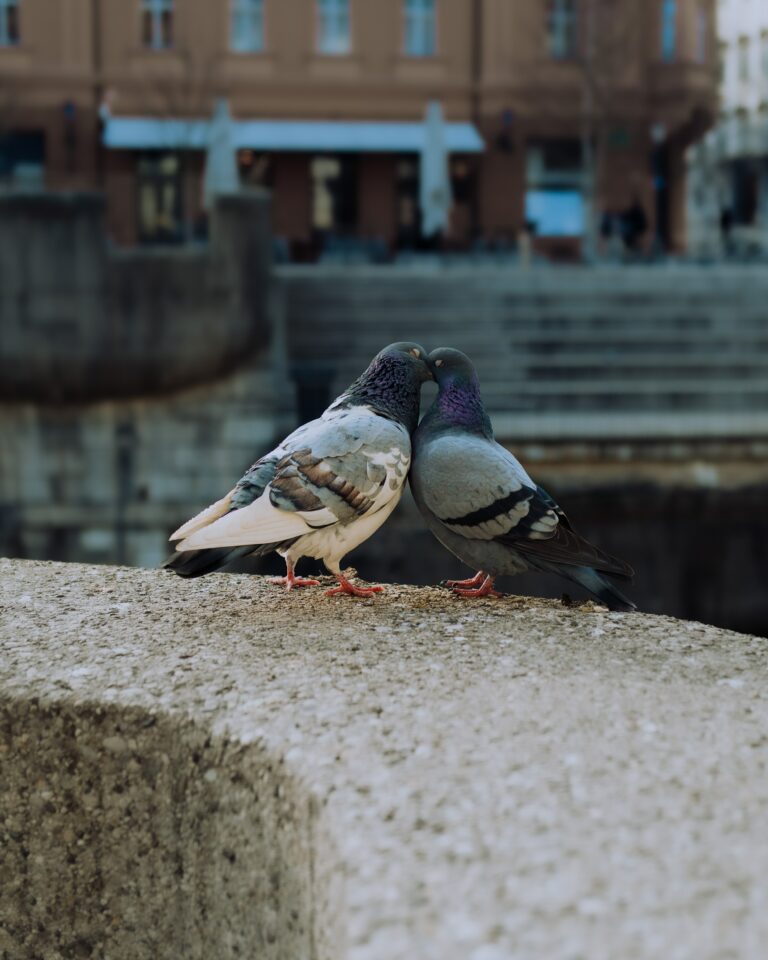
(214, 769)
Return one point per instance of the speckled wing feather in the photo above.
(338, 468)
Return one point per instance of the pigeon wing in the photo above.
(473, 486)
(566, 546)
(480, 491)
(349, 464)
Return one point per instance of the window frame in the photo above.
(150, 175)
(670, 12)
(425, 17)
(764, 56)
(703, 38)
(9, 13)
(156, 11)
(340, 10)
(562, 29)
(743, 51)
(244, 9)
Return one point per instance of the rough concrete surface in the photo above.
(216, 769)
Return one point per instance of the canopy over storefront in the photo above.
(310, 136)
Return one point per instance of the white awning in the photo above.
(306, 136)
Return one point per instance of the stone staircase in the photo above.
(560, 353)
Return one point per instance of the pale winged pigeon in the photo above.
(326, 488)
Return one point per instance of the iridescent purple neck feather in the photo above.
(460, 405)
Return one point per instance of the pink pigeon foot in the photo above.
(290, 580)
(472, 582)
(486, 590)
(346, 587)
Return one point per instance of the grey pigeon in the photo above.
(481, 504)
(326, 488)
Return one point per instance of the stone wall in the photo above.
(82, 322)
(132, 384)
(218, 769)
(109, 481)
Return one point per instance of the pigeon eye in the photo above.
(439, 363)
(416, 353)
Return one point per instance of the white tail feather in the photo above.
(203, 518)
(259, 522)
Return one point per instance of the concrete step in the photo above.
(552, 342)
(545, 360)
(656, 402)
(618, 386)
(451, 318)
(580, 366)
(478, 298)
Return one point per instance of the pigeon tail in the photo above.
(605, 592)
(196, 563)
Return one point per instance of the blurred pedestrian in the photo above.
(611, 234)
(634, 224)
(726, 230)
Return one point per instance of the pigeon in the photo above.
(326, 488)
(481, 504)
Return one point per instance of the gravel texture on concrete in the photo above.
(216, 769)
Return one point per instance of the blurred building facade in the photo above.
(728, 182)
(582, 107)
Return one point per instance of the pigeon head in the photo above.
(458, 402)
(392, 383)
(449, 364)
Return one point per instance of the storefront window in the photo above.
(160, 198)
(22, 158)
(407, 193)
(334, 193)
(554, 202)
(256, 169)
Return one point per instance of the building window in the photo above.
(9, 23)
(157, 23)
(22, 158)
(160, 199)
(247, 26)
(334, 194)
(420, 28)
(743, 62)
(256, 169)
(407, 214)
(764, 53)
(333, 27)
(668, 29)
(554, 198)
(562, 29)
(722, 53)
(702, 34)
